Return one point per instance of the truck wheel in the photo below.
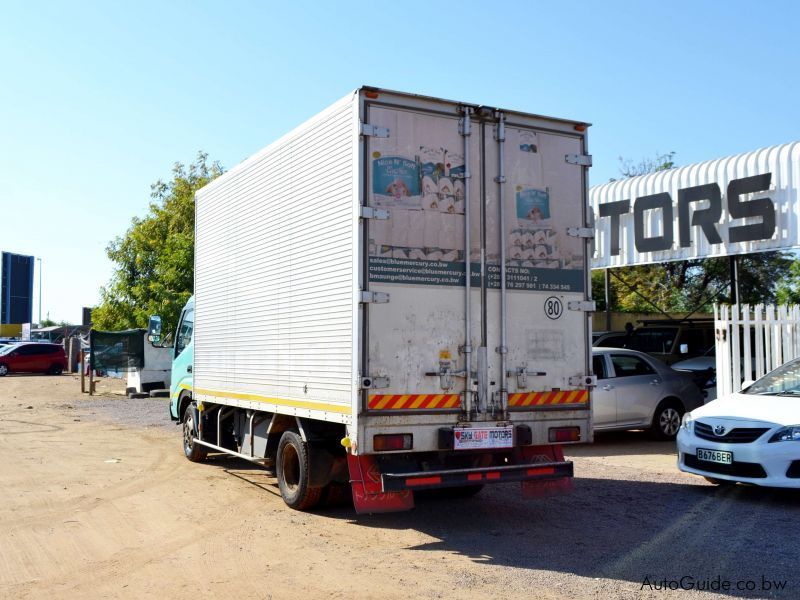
(667, 420)
(293, 473)
(194, 452)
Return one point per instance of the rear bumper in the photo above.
(420, 480)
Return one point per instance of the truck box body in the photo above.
(330, 275)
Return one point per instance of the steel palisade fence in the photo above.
(752, 341)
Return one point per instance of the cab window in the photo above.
(185, 330)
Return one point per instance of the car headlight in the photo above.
(787, 434)
(687, 422)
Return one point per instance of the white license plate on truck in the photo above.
(716, 456)
(481, 438)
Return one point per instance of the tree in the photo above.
(691, 285)
(154, 260)
(788, 289)
(661, 162)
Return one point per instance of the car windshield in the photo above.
(785, 380)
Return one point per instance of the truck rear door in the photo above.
(440, 175)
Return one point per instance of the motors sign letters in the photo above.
(705, 218)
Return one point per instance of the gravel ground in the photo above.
(633, 524)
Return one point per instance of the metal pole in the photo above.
(465, 132)
(734, 280)
(40, 292)
(91, 365)
(501, 180)
(607, 273)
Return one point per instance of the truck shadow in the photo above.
(618, 529)
(625, 530)
(623, 443)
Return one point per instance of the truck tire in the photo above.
(293, 473)
(667, 419)
(194, 452)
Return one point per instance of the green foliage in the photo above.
(688, 286)
(154, 260)
(788, 289)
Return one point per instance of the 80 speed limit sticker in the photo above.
(553, 308)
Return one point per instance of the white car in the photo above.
(751, 437)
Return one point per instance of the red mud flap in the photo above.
(368, 494)
(527, 473)
(542, 488)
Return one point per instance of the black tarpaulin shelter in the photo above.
(117, 350)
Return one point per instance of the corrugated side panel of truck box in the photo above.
(274, 273)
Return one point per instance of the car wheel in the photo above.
(194, 452)
(667, 420)
(3, 370)
(293, 470)
(56, 370)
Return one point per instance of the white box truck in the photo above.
(339, 336)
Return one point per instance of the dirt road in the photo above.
(97, 501)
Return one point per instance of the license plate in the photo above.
(716, 456)
(470, 438)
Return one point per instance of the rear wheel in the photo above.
(193, 451)
(667, 420)
(293, 469)
(3, 370)
(56, 370)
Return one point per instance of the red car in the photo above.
(32, 357)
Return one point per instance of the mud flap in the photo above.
(545, 487)
(368, 494)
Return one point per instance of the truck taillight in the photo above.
(394, 441)
(564, 434)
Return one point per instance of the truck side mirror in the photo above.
(154, 330)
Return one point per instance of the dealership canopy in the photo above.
(729, 206)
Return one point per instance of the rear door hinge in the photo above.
(582, 305)
(583, 380)
(580, 232)
(368, 297)
(374, 131)
(584, 160)
(379, 214)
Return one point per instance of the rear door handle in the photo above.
(608, 387)
(655, 382)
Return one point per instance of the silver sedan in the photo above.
(636, 391)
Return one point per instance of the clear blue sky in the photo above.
(98, 101)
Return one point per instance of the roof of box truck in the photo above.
(579, 126)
